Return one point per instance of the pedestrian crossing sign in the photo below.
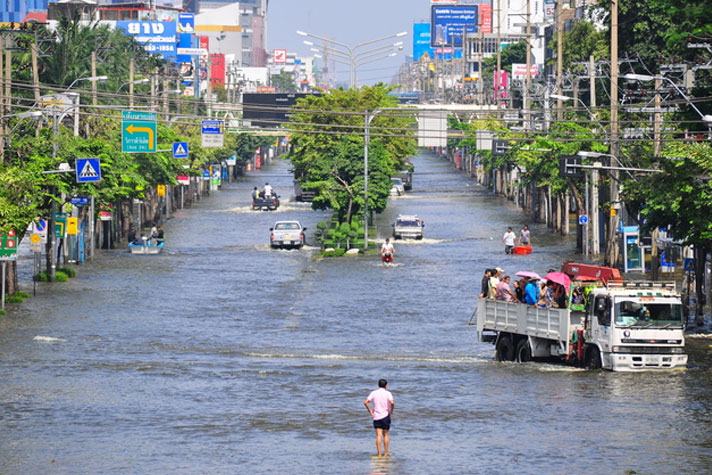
(88, 170)
(180, 149)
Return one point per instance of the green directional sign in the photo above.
(60, 225)
(138, 132)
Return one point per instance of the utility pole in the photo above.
(131, 82)
(612, 245)
(35, 70)
(498, 81)
(559, 60)
(527, 77)
(593, 212)
(94, 98)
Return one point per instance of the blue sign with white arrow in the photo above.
(88, 170)
(180, 149)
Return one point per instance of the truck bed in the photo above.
(522, 319)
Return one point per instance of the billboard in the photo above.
(155, 36)
(449, 23)
(421, 41)
(269, 110)
(217, 70)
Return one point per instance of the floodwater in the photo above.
(222, 355)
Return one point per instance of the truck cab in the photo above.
(635, 325)
(408, 227)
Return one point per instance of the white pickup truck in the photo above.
(622, 326)
(287, 234)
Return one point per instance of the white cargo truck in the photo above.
(621, 326)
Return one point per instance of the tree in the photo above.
(327, 148)
(679, 199)
(284, 82)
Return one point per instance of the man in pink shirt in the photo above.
(382, 409)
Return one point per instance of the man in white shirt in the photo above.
(383, 405)
(387, 251)
(267, 190)
(508, 240)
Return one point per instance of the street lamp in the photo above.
(138, 81)
(355, 60)
(88, 78)
(349, 52)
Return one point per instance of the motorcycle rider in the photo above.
(387, 251)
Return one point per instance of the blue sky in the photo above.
(350, 22)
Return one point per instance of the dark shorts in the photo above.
(384, 423)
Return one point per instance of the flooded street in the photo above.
(222, 355)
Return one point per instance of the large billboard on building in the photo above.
(421, 41)
(269, 110)
(155, 36)
(448, 23)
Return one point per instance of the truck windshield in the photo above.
(633, 312)
(408, 222)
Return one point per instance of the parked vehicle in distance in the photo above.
(397, 189)
(408, 227)
(266, 203)
(302, 195)
(287, 234)
(407, 177)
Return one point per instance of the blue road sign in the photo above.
(583, 219)
(79, 200)
(88, 170)
(186, 22)
(41, 225)
(180, 149)
(213, 127)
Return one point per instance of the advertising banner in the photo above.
(519, 71)
(486, 18)
(155, 36)
(449, 23)
(217, 69)
(421, 41)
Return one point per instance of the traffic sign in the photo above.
(180, 149)
(41, 226)
(79, 200)
(570, 166)
(73, 226)
(583, 219)
(213, 133)
(60, 225)
(35, 242)
(88, 170)
(138, 132)
(8, 246)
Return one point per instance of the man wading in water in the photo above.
(382, 409)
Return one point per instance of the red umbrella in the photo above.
(559, 278)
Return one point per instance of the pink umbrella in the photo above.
(559, 278)
(528, 273)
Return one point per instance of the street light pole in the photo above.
(351, 50)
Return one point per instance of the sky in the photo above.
(350, 22)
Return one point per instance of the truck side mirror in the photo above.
(271, 229)
(304, 229)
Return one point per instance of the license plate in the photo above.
(652, 359)
(288, 236)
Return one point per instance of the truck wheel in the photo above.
(593, 358)
(504, 350)
(524, 351)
